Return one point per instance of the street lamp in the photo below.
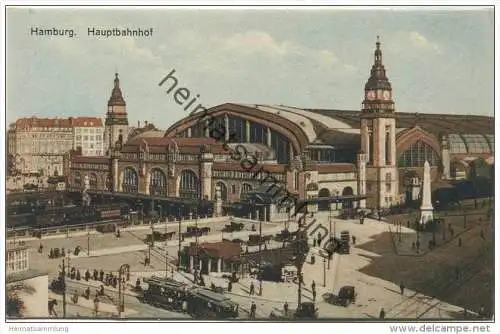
(260, 253)
(300, 252)
(88, 243)
(160, 207)
(180, 242)
(124, 269)
(324, 272)
(399, 231)
(166, 238)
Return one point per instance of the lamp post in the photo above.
(160, 208)
(324, 272)
(124, 268)
(180, 242)
(260, 252)
(399, 231)
(88, 243)
(300, 250)
(166, 244)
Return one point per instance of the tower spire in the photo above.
(116, 98)
(378, 53)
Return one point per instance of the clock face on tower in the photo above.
(370, 95)
(387, 95)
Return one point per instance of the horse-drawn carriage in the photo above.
(285, 235)
(159, 236)
(233, 227)
(194, 231)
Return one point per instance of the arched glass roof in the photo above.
(456, 144)
(476, 144)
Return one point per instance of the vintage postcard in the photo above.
(251, 164)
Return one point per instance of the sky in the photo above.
(438, 61)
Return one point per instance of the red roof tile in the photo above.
(31, 122)
(86, 121)
(235, 166)
(336, 168)
(221, 249)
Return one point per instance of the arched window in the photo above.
(237, 125)
(158, 182)
(189, 186)
(324, 205)
(93, 181)
(130, 180)
(245, 189)
(109, 182)
(417, 154)
(281, 146)
(78, 179)
(347, 192)
(223, 191)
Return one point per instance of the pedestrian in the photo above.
(253, 310)
(101, 275)
(51, 253)
(252, 289)
(40, 248)
(459, 242)
(413, 245)
(314, 295)
(78, 275)
(87, 275)
(402, 287)
(417, 244)
(382, 314)
(319, 239)
(229, 286)
(313, 286)
(353, 240)
(314, 242)
(285, 308)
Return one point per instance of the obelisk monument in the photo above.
(426, 209)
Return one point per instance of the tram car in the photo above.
(207, 304)
(165, 293)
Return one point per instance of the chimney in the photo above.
(138, 124)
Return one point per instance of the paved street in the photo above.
(107, 306)
(372, 293)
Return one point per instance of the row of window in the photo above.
(247, 175)
(17, 260)
(338, 177)
(89, 130)
(89, 138)
(90, 166)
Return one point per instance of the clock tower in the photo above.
(378, 137)
(116, 124)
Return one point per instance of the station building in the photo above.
(375, 154)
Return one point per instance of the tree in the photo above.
(14, 305)
(12, 169)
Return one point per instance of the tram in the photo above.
(207, 304)
(165, 293)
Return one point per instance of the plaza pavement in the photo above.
(372, 293)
